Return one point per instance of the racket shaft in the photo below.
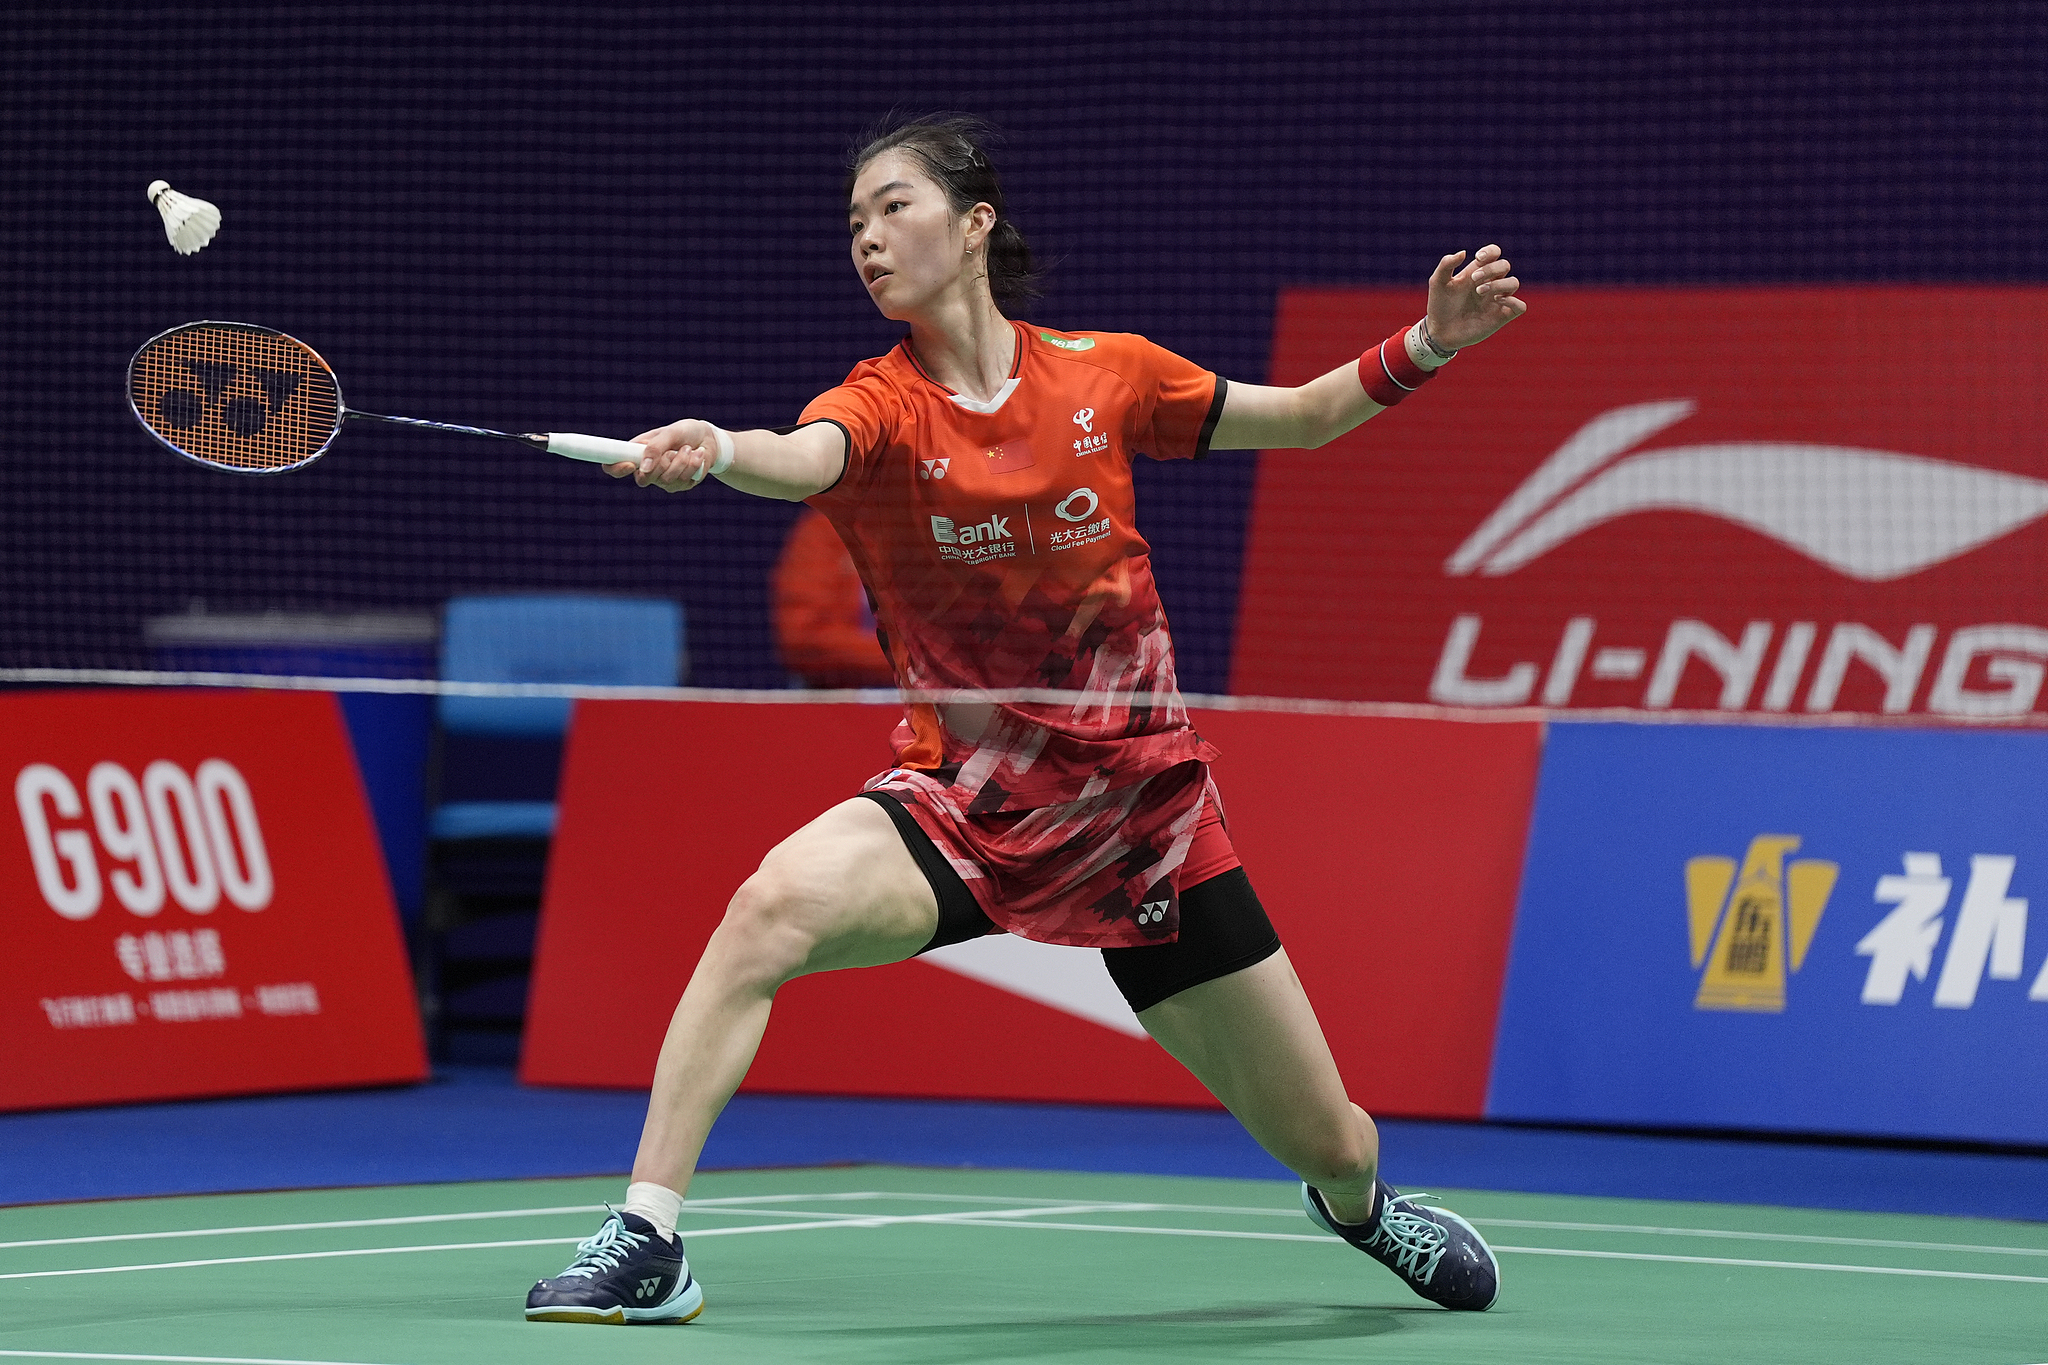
(595, 449)
(447, 426)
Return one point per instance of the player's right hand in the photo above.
(677, 459)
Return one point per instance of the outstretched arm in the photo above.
(1465, 307)
(768, 464)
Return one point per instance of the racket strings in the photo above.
(236, 397)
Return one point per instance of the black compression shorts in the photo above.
(1223, 928)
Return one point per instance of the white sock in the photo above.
(658, 1204)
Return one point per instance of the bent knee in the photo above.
(769, 927)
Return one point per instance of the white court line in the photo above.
(195, 1360)
(1813, 1239)
(980, 1220)
(1643, 1229)
(738, 1205)
(840, 1220)
(1015, 1218)
(292, 1256)
(709, 1204)
(1768, 1265)
(302, 1227)
(1041, 1208)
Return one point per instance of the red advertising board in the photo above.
(1815, 499)
(195, 900)
(1384, 849)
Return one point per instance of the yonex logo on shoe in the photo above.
(647, 1288)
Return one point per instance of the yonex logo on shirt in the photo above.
(933, 469)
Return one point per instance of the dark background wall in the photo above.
(602, 217)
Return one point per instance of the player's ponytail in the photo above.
(952, 148)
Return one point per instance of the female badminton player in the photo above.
(979, 474)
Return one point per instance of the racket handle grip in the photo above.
(596, 449)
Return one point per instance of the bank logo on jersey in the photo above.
(977, 543)
(1764, 927)
(933, 469)
(1078, 510)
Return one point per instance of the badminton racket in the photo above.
(250, 400)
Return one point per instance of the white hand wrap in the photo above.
(1421, 352)
(724, 460)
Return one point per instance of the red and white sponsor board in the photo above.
(1386, 851)
(1815, 499)
(194, 902)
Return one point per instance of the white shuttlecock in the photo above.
(189, 223)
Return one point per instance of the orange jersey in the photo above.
(1003, 552)
(999, 541)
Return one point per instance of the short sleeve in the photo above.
(1184, 402)
(864, 408)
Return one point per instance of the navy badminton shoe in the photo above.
(627, 1273)
(1440, 1255)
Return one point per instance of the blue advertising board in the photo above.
(1777, 928)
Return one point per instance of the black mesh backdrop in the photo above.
(598, 217)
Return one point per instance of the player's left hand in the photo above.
(1472, 304)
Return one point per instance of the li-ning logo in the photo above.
(1873, 515)
(244, 413)
(1153, 912)
(1765, 926)
(1085, 419)
(933, 469)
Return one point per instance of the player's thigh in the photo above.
(843, 891)
(1252, 1038)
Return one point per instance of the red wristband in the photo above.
(1388, 374)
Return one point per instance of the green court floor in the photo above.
(887, 1264)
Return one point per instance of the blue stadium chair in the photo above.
(500, 756)
(560, 638)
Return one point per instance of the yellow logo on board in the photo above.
(1752, 938)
